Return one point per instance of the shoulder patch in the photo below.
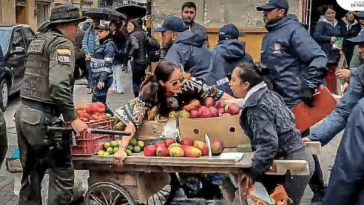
(64, 55)
(36, 46)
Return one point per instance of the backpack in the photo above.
(153, 49)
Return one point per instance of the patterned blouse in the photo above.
(136, 110)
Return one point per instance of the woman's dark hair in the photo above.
(138, 24)
(152, 92)
(325, 8)
(110, 35)
(249, 72)
(189, 5)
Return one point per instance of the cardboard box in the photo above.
(225, 129)
(150, 130)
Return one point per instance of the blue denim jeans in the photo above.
(90, 79)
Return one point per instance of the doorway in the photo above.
(42, 13)
(314, 11)
(20, 15)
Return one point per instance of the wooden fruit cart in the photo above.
(142, 180)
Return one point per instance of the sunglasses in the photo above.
(179, 80)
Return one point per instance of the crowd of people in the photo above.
(293, 65)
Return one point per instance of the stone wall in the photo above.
(214, 13)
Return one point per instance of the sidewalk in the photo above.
(7, 180)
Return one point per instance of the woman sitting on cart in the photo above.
(270, 126)
(169, 91)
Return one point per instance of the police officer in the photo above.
(346, 178)
(46, 94)
(228, 53)
(295, 63)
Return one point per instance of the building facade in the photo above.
(35, 12)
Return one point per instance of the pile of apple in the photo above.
(134, 146)
(186, 148)
(109, 148)
(208, 108)
(91, 112)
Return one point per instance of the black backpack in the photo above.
(153, 49)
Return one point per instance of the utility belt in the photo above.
(44, 107)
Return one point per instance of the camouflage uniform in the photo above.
(46, 94)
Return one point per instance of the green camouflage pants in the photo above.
(38, 152)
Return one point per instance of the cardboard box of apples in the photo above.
(186, 148)
(220, 120)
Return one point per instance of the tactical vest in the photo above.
(36, 79)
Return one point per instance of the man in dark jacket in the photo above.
(346, 178)
(187, 49)
(228, 53)
(188, 15)
(295, 63)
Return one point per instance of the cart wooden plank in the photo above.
(138, 162)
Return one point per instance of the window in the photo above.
(18, 39)
(29, 35)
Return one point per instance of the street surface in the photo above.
(7, 180)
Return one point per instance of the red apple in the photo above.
(221, 111)
(187, 141)
(150, 150)
(160, 143)
(194, 114)
(217, 147)
(208, 102)
(169, 141)
(233, 109)
(214, 112)
(220, 104)
(162, 151)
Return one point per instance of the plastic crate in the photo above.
(89, 144)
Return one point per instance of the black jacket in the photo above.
(269, 124)
(138, 47)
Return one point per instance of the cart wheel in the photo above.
(108, 193)
(166, 195)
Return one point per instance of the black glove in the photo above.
(307, 95)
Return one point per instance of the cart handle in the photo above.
(94, 131)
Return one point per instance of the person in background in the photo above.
(188, 15)
(327, 33)
(50, 66)
(80, 68)
(352, 30)
(357, 60)
(187, 49)
(269, 124)
(228, 53)
(138, 53)
(296, 65)
(346, 177)
(3, 135)
(101, 65)
(117, 85)
(89, 44)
